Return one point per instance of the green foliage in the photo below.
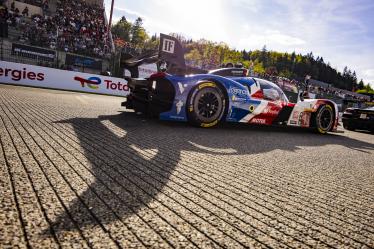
(360, 85)
(132, 32)
(138, 33)
(259, 68)
(122, 29)
(365, 89)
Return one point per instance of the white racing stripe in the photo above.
(255, 87)
(259, 109)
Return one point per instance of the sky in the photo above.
(341, 31)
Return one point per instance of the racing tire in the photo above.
(206, 105)
(324, 119)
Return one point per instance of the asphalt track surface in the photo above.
(77, 171)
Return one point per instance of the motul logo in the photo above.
(168, 46)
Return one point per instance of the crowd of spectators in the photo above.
(12, 17)
(318, 90)
(330, 91)
(81, 28)
(76, 27)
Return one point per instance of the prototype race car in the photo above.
(226, 94)
(361, 119)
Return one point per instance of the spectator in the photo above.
(45, 5)
(25, 11)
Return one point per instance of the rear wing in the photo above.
(169, 57)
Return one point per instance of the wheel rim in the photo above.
(325, 119)
(208, 105)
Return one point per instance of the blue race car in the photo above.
(225, 94)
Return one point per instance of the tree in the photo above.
(138, 33)
(264, 56)
(122, 29)
(361, 85)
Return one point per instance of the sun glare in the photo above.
(207, 21)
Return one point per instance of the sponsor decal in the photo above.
(29, 75)
(207, 84)
(177, 117)
(239, 73)
(146, 70)
(206, 125)
(33, 52)
(304, 119)
(81, 61)
(271, 111)
(23, 74)
(238, 91)
(168, 46)
(94, 82)
(179, 106)
(237, 99)
(116, 86)
(258, 121)
(308, 110)
(181, 87)
(252, 108)
(295, 115)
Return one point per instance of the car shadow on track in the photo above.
(131, 159)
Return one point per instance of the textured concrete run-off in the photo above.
(78, 171)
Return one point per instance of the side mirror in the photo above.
(162, 66)
(271, 94)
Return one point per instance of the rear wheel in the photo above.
(206, 105)
(324, 119)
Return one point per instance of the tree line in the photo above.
(208, 55)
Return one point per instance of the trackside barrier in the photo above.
(29, 75)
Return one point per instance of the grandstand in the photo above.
(66, 34)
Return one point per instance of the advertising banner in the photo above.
(29, 75)
(33, 52)
(81, 61)
(147, 70)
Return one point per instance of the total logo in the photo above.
(94, 83)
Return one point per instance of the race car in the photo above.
(223, 95)
(359, 118)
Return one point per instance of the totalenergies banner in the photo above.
(28, 75)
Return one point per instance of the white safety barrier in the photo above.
(29, 75)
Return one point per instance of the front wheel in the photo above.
(324, 119)
(206, 105)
